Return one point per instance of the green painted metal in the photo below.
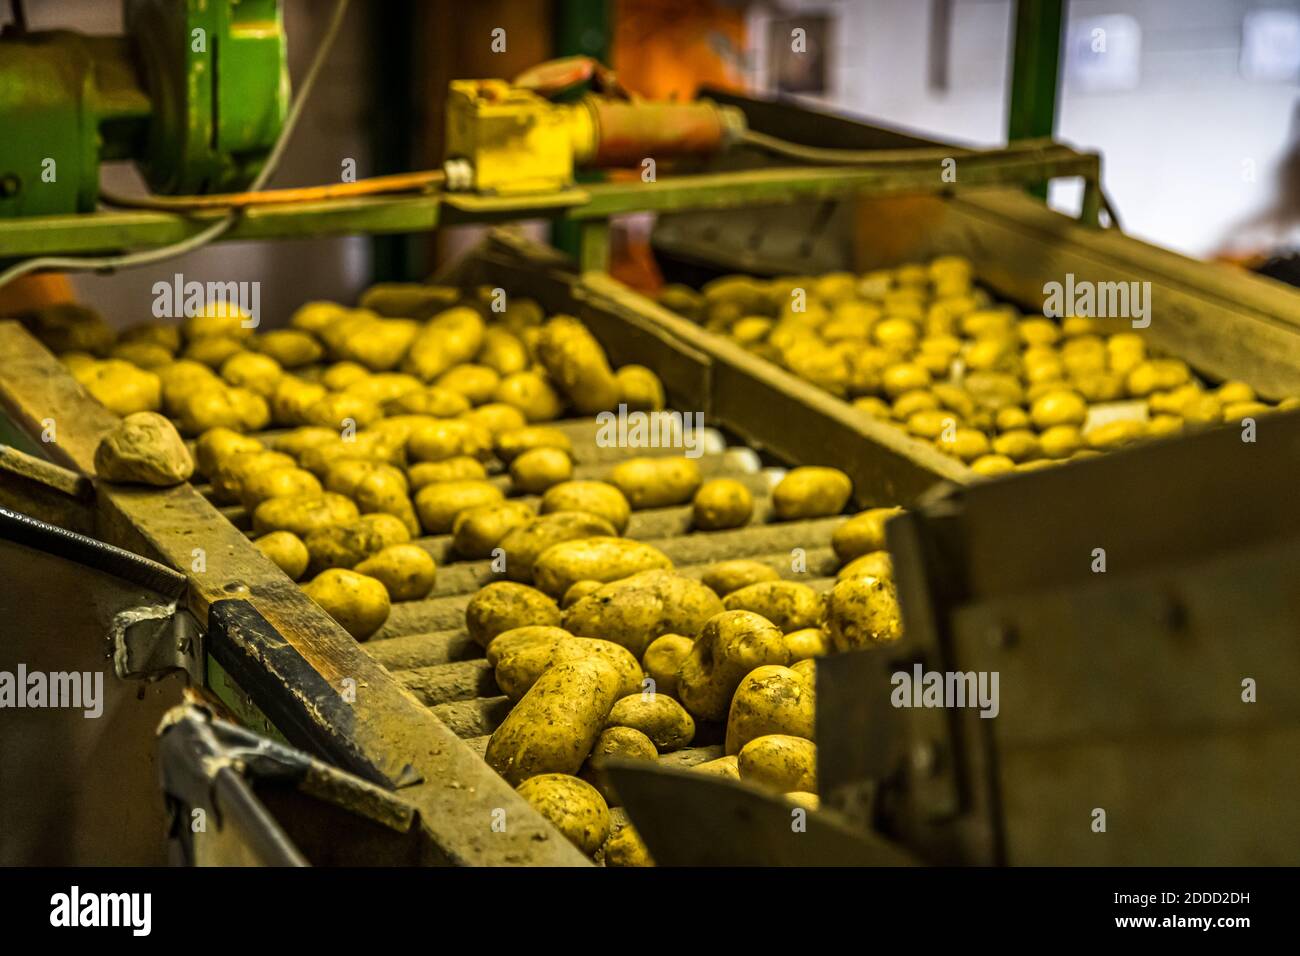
(582, 28)
(1035, 71)
(392, 28)
(223, 686)
(106, 232)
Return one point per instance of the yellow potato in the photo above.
(451, 469)
(727, 576)
(770, 700)
(438, 504)
(478, 383)
(277, 483)
(302, 516)
(511, 444)
(729, 646)
(291, 348)
(576, 363)
(406, 571)
(572, 805)
(122, 388)
(656, 482)
(621, 743)
(218, 444)
(450, 338)
(257, 373)
(594, 559)
(518, 671)
(532, 394)
(477, 531)
(523, 546)
(662, 658)
(634, 610)
(518, 638)
(806, 643)
(811, 492)
(538, 470)
(862, 612)
(873, 564)
(639, 389)
(346, 545)
(503, 351)
(143, 448)
(658, 716)
(722, 503)
(592, 497)
(790, 605)
(287, 550)
(780, 762)
(553, 728)
(359, 603)
(504, 605)
(863, 533)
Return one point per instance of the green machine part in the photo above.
(196, 94)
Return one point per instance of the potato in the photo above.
(656, 482)
(411, 300)
(727, 576)
(532, 394)
(873, 564)
(639, 389)
(406, 571)
(477, 383)
(729, 646)
(517, 672)
(811, 492)
(451, 469)
(477, 531)
(216, 406)
(292, 398)
(359, 603)
(302, 516)
(780, 762)
(237, 468)
(439, 504)
(554, 727)
(622, 743)
(635, 610)
(536, 471)
(594, 559)
(524, 546)
(496, 418)
(438, 440)
(382, 490)
(1058, 407)
(572, 805)
(728, 766)
(291, 348)
(143, 355)
(217, 444)
(343, 411)
(806, 671)
(577, 364)
(503, 351)
(286, 550)
(505, 605)
(770, 700)
(862, 533)
(383, 387)
(269, 483)
(144, 449)
(257, 373)
(518, 638)
(212, 350)
(511, 444)
(122, 388)
(577, 591)
(662, 658)
(722, 503)
(593, 497)
(862, 612)
(657, 716)
(437, 402)
(348, 544)
(450, 338)
(789, 605)
(363, 337)
(806, 643)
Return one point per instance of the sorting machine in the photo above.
(295, 744)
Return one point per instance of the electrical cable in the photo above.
(291, 195)
(203, 237)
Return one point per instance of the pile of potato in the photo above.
(925, 348)
(632, 667)
(388, 425)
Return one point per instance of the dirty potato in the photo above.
(780, 762)
(143, 448)
(770, 700)
(657, 716)
(789, 605)
(725, 577)
(594, 559)
(406, 571)
(862, 533)
(347, 544)
(575, 361)
(635, 610)
(518, 671)
(662, 659)
(359, 603)
(477, 531)
(524, 546)
(538, 470)
(806, 643)
(504, 605)
(572, 805)
(554, 727)
(518, 638)
(302, 516)
(862, 612)
(729, 646)
(620, 743)
(438, 504)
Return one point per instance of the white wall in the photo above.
(1188, 155)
